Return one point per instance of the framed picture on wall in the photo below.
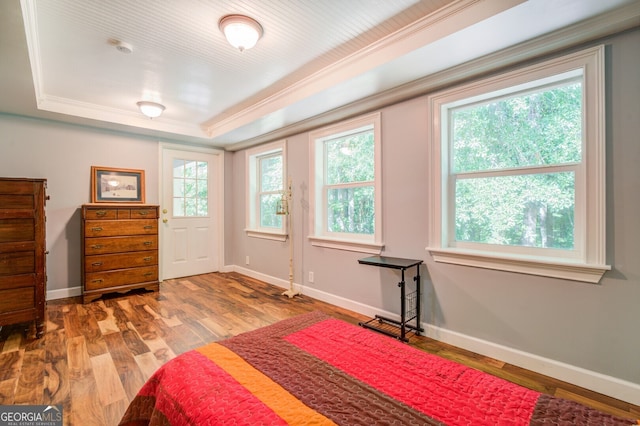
(112, 185)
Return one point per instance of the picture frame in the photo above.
(116, 185)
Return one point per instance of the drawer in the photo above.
(143, 213)
(113, 213)
(16, 281)
(100, 213)
(119, 277)
(105, 262)
(17, 201)
(16, 263)
(108, 245)
(110, 228)
(12, 230)
(16, 299)
(20, 186)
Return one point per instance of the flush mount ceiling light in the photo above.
(150, 109)
(241, 31)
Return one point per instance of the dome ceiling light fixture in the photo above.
(241, 31)
(150, 109)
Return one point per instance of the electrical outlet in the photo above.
(310, 276)
(246, 261)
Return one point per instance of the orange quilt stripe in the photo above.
(274, 396)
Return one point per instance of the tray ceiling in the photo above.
(61, 62)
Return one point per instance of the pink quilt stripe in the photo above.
(442, 389)
(195, 391)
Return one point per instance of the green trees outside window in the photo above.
(512, 163)
(190, 192)
(350, 183)
(270, 191)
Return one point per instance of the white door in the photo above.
(190, 212)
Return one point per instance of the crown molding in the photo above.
(590, 30)
(446, 21)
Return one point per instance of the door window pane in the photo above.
(190, 190)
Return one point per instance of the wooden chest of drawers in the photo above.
(119, 248)
(22, 252)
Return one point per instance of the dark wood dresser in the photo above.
(119, 248)
(23, 252)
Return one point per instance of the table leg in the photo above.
(418, 300)
(403, 307)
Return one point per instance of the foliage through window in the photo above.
(346, 190)
(350, 183)
(517, 170)
(190, 192)
(514, 161)
(269, 191)
(265, 183)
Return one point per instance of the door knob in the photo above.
(165, 220)
(164, 211)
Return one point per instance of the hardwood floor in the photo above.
(94, 357)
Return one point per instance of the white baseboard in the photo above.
(257, 275)
(307, 291)
(64, 293)
(597, 382)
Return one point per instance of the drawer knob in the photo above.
(96, 264)
(147, 243)
(148, 227)
(96, 281)
(101, 213)
(96, 228)
(148, 274)
(143, 212)
(96, 246)
(147, 259)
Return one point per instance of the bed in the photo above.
(313, 369)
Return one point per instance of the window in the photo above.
(517, 169)
(190, 192)
(265, 183)
(345, 185)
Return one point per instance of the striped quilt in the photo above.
(316, 370)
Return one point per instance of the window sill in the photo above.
(359, 246)
(567, 270)
(266, 235)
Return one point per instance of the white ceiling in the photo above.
(59, 61)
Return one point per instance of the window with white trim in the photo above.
(265, 167)
(517, 170)
(345, 186)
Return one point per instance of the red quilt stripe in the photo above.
(442, 389)
(195, 391)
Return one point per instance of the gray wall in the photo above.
(64, 154)
(592, 326)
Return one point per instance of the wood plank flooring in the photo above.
(94, 357)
